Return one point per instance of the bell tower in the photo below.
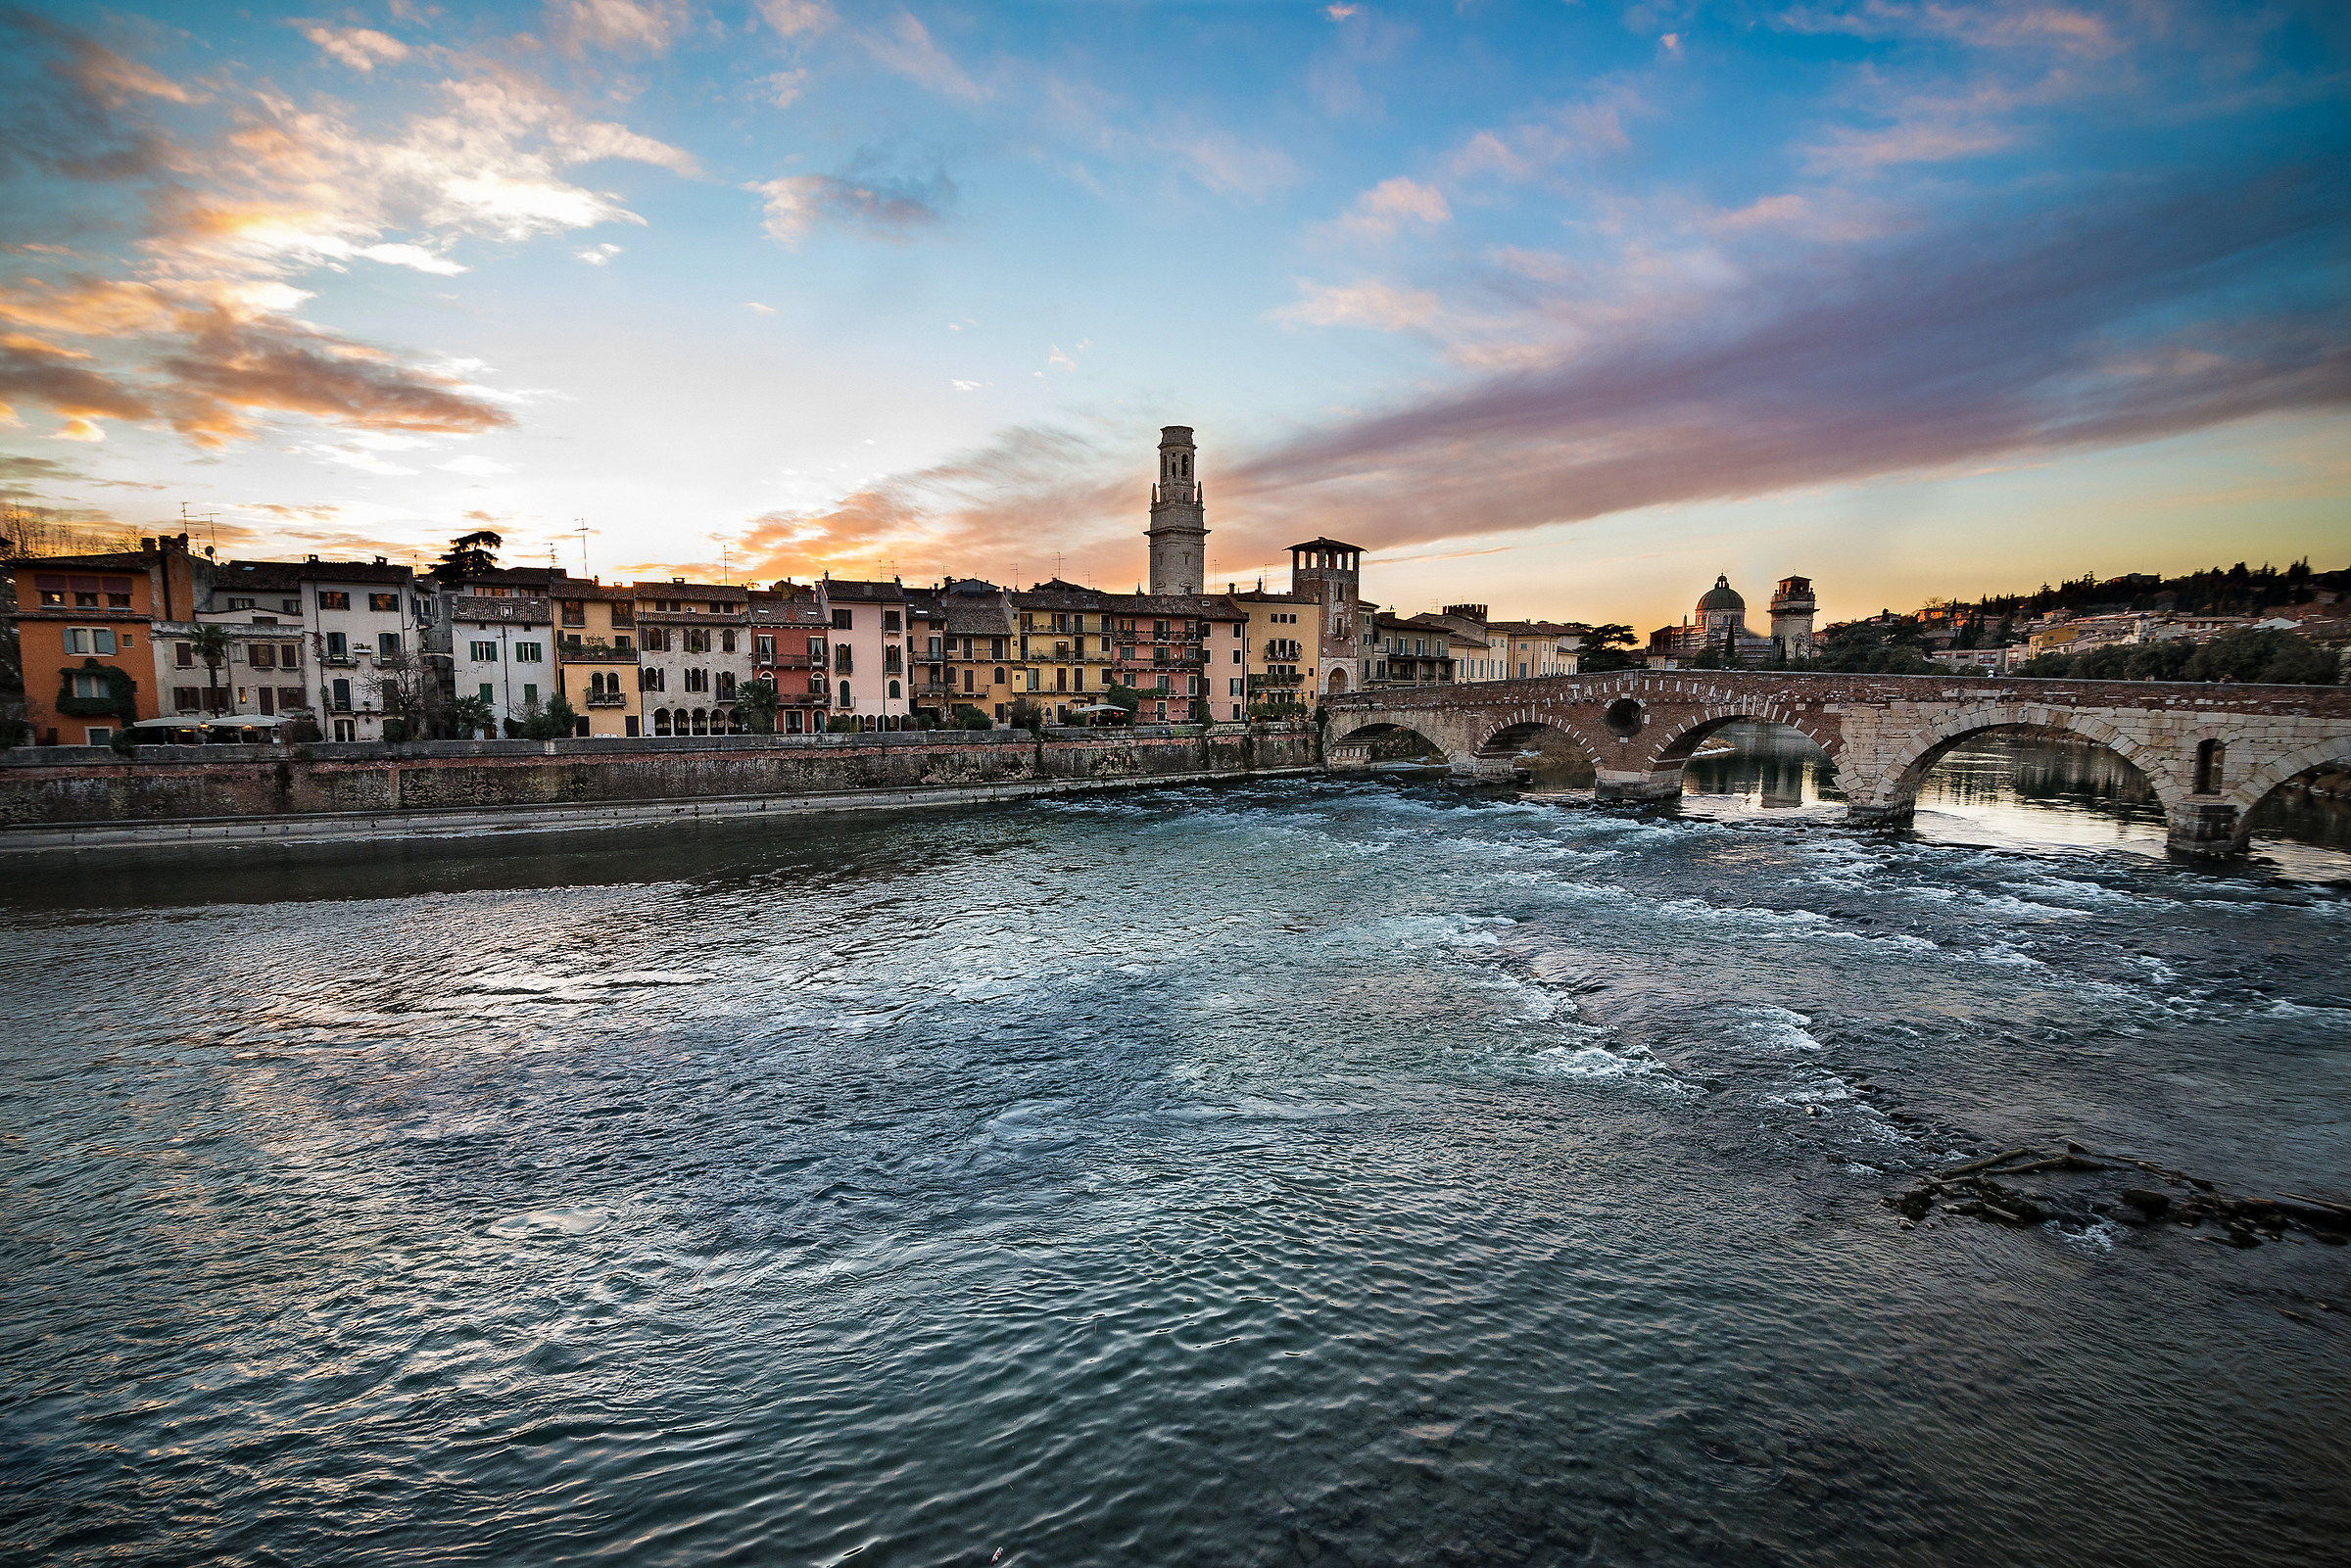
(1792, 610)
(1178, 530)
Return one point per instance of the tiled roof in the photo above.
(853, 591)
(729, 593)
(1327, 543)
(1191, 606)
(979, 617)
(512, 611)
(109, 561)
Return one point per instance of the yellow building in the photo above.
(981, 652)
(597, 658)
(1064, 646)
(1281, 642)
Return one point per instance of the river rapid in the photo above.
(1352, 1171)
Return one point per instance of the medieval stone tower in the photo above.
(1331, 570)
(1792, 610)
(1178, 530)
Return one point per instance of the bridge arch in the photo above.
(1893, 792)
(1360, 746)
(2267, 779)
(1675, 745)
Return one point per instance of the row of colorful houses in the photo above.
(164, 633)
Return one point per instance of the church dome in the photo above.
(1721, 596)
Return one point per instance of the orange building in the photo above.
(82, 624)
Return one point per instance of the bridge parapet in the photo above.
(2209, 752)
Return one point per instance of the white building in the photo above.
(339, 639)
(501, 650)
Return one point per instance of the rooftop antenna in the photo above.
(583, 530)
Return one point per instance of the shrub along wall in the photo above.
(88, 783)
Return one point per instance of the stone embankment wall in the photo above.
(43, 789)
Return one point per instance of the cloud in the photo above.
(756, 308)
(885, 207)
(1230, 167)
(1999, 332)
(598, 255)
(792, 19)
(1378, 212)
(1365, 304)
(908, 49)
(207, 358)
(623, 27)
(359, 48)
(475, 466)
(70, 106)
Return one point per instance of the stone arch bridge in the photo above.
(2210, 752)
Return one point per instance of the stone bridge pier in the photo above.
(2209, 752)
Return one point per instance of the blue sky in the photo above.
(1560, 306)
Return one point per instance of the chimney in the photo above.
(379, 560)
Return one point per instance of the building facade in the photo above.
(1792, 610)
(83, 636)
(868, 640)
(597, 669)
(790, 642)
(695, 652)
(1282, 658)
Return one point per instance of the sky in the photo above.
(1562, 307)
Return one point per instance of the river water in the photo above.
(1352, 1172)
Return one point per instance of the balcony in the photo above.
(793, 661)
(594, 653)
(608, 700)
(1267, 683)
(339, 661)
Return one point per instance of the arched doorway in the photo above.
(1337, 685)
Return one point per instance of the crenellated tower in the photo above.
(1791, 609)
(1178, 530)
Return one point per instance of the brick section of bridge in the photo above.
(2210, 752)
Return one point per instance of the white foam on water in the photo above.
(2339, 1016)
(1774, 1029)
(1588, 1062)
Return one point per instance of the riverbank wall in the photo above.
(92, 797)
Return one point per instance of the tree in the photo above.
(2283, 658)
(1123, 696)
(966, 717)
(756, 704)
(1026, 715)
(212, 647)
(468, 556)
(559, 719)
(471, 716)
(1602, 648)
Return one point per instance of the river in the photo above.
(1350, 1171)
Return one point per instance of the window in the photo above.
(289, 697)
(1159, 629)
(967, 679)
(763, 648)
(892, 661)
(656, 640)
(387, 644)
(935, 647)
(338, 647)
(1235, 688)
(267, 700)
(999, 680)
(86, 684)
(842, 663)
(530, 654)
(485, 692)
(575, 613)
(841, 620)
(889, 621)
(384, 601)
(653, 677)
(726, 641)
(101, 734)
(90, 640)
(328, 599)
(894, 692)
(844, 693)
(995, 649)
(697, 679)
(624, 615)
(341, 701)
(263, 655)
(292, 606)
(187, 698)
(483, 652)
(530, 695)
(234, 604)
(1236, 655)
(726, 686)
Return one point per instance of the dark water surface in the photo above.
(1351, 1173)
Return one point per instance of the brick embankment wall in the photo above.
(43, 791)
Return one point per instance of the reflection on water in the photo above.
(2022, 788)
